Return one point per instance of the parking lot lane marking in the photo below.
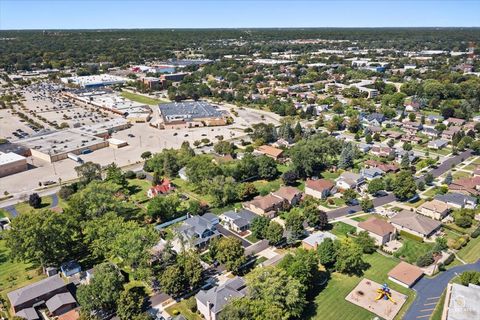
(426, 310)
(430, 304)
(424, 316)
(432, 298)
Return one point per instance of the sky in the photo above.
(105, 14)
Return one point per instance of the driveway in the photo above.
(429, 291)
(377, 202)
(228, 233)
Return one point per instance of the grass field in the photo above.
(184, 311)
(341, 229)
(138, 189)
(141, 99)
(15, 274)
(264, 187)
(471, 252)
(412, 249)
(460, 174)
(330, 303)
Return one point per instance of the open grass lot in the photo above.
(476, 161)
(265, 187)
(330, 303)
(184, 187)
(341, 229)
(412, 249)
(141, 99)
(471, 252)
(182, 308)
(24, 207)
(138, 189)
(15, 274)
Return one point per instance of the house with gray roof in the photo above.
(349, 180)
(28, 314)
(372, 173)
(211, 302)
(61, 303)
(197, 231)
(458, 200)
(437, 144)
(415, 224)
(36, 293)
(238, 220)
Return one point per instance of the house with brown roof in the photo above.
(405, 274)
(385, 167)
(454, 122)
(269, 151)
(320, 188)
(434, 209)
(379, 229)
(290, 194)
(466, 186)
(267, 206)
(450, 132)
(415, 224)
(381, 151)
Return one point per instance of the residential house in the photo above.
(415, 224)
(434, 119)
(315, 239)
(237, 220)
(378, 229)
(267, 206)
(61, 303)
(431, 132)
(405, 274)
(320, 188)
(374, 129)
(437, 144)
(372, 173)
(70, 268)
(450, 132)
(393, 134)
(36, 293)
(457, 200)
(411, 155)
(349, 180)
(28, 314)
(211, 302)
(269, 151)
(197, 231)
(454, 122)
(469, 186)
(363, 147)
(411, 138)
(434, 209)
(290, 194)
(160, 189)
(385, 167)
(374, 119)
(381, 151)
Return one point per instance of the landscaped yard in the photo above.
(182, 308)
(330, 303)
(460, 174)
(412, 249)
(471, 252)
(331, 175)
(24, 207)
(264, 187)
(341, 229)
(470, 167)
(141, 99)
(337, 202)
(138, 189)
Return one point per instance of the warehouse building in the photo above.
(95, 81)
(188, 114)
(11, 163)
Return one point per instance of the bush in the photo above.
(141, 175)
(410, 236)
(130, 174)
(475, 233)
(175, 312)
(425, 260)
(191, 304)
(65, 192)
(449, 260)
(35, 201)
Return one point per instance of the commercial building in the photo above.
(461, 302)
(95, 80)
(188, 114)
(11, 163)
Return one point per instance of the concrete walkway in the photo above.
(430, 290)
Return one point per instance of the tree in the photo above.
(428, 179)
(368, 138)
(366, 242)
(224, 147)
(311, 214)
(114, 174)
(322, 220)
(131, 303)
(65, 192)
(290, 177)
(267, 168)
(302, 265)
(405, 162)
(146, 155)
(463, 217)
(35, 201)
(366, 204)
(44, 238)
(88, 172)
(327, 253)
(173, 280)
(223, 190)
(425, 260)
(448, 179)
(350, 258)
(404, 186)
(468, 277)
(163, 208)
(354, 124)
(375, 186)
(391, 143)
(274, 233)
(440, 244)
(347, 156)
(259, 227)
(103, 291)
(294, 225)
(349, 195)
(230, 252)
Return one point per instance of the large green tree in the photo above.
(404, 186)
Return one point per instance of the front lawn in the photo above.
(24, 207)
(181, 308)
(341, 229)
(471, 252)
(330, 303)
(460, 174)
(411, 250)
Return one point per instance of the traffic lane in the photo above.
(377, 202)
(447, 164)
(228, 233)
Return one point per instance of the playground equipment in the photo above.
(384, 293)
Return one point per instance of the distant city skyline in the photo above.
(125, 14)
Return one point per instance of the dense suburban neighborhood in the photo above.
(240, 174)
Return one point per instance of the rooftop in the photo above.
(9, 157)
(415, 222)
(464, 302)
(189, 110)
(377, 226)
(406, 273)
(34, 290)
(218, 296)
(319, 184)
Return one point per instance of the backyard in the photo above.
(330, 303)
(412, 249)
(182, 308)
(469, 253)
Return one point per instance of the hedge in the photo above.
(410, 236)
(475, 233)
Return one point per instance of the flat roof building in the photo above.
(95, 80)
(11, 163)
(190, 114)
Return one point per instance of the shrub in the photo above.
(141, 175)
(65, 192)
(130, 174)
(425, 260)
(475, 233)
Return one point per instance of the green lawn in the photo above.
(252, 238)
(341, 229)
(24, 207)
(476, 161)
(337, 202)
(470, 167)
(15, 274)
(138, 189)
(412, 249)
(265, 187)
(415, 204)
(330, 303)
(141, 99)
(460, 174)
(471, 252)
(184, 311)
(330, 175)
(430, 192)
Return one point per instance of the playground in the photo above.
(377, 298)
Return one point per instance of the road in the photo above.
(429, 291)
(377, 202)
